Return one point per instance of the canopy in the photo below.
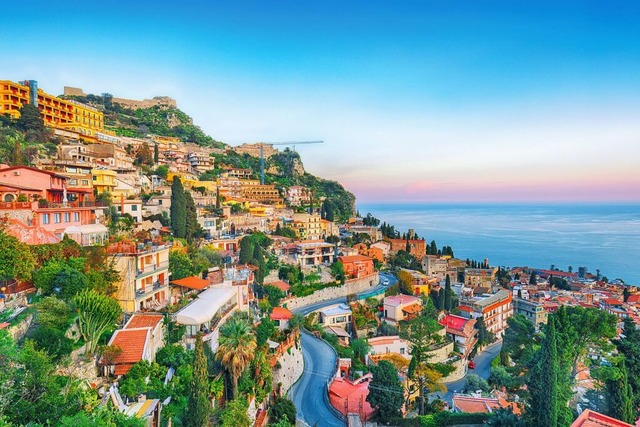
(202, 310)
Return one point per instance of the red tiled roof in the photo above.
(612, 301)
(144, 321)
(132, 342)
(280, 313)
(454, 322)
(283, 286)
(466, 308)
(347, 397)
(591, 418)
(354, 258)
(413, 308)
(192, 282)
(633, 299)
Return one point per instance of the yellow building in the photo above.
(307, 226)
(104, 180)
(188, 180)
(57, 113)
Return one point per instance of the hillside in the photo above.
(285, 169)
(164, 120)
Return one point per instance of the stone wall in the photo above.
(291, 367)
(353, 286)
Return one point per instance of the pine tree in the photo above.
(543, 382)
(386, 392)
(199, 409)
(447, 293)
(178, 209)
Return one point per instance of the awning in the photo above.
(202, 309)
(86, 229)
(192, 282)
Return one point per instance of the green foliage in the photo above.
(199, 410)
(237, 347)
(621, 397)
(274, 295)
(484, 336)
(16, 260)
(162, 171)
(285, 232)
(178, 210)
(337, 271)
(474, 383)
(102, 416)
(193, 228)
(505, 418)
(385, 390)
(180, 265)
(264, 330)
(283, 409)
(234, 414)
(96, 314)
(519, 340)
(629, 346)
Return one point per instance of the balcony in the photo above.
(152, 268)
(150, 290)
(43, 204)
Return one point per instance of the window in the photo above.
(85, 182)
(76, 216)
(134, 208)
(45, 218)
(67, 217)
(402, 350)
(57, 218)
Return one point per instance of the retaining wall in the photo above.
(352, 286)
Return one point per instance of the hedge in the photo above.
(441, 419)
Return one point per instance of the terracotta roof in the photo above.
(283, 286)
(132, 342)
(590, 418)
(144, 321)
(354, 258)
(481, 404)
(413, 308)
(280, 313)
(633, 299)
(396, 300)
(466, 308)
(612, 301)
(192, 282)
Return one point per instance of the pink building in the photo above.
(46, 205)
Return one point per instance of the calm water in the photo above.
(593, 236)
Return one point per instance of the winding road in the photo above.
(309, 393)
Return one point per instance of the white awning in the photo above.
(203, 309)
(86, 229)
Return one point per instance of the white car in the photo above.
(385, 281)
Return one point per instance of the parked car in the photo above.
(472, 364)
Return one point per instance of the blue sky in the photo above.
(418, 101)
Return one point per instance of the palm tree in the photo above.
(237, 348)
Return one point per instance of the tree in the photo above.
(16, 260)
(30, 119)
(422, 333)
(484, 336)
(162, 171)
(620, 394)
(264, 330)
(385, 390)
(474, 383)
(178, 211)
(629, 346)
(199, 409)
(337, 271)
(192, 228)
(156, 154)
(502, 417)
(237, 345)
(519, 339)
(144, 155)
(234, 414)
(543, 384)
(533, 279)
(246, 250)
(180, 265)
(96, 314)
(283, 409)
(447, 293)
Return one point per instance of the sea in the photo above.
(598, 237)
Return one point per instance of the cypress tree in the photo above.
(246, 250)
(192, 227)
(156, 154)
(543, 382)
(621, 397)
(447, 293)
(441, 299)
(178, 209)
(199, 409)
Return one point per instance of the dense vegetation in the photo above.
(157, 120)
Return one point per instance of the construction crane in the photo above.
(292, 143)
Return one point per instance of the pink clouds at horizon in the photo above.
(425, 191)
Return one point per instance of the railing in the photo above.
(152, 268)
(147, 290)
(55, 205)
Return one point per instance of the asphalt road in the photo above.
(482, 369)
(308, 394)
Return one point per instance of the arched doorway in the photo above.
(9, 198)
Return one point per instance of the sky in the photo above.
(416, 101)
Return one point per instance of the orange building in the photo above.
(357, 266)
(373, 252)
(417, 247)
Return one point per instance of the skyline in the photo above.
(458, 103)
